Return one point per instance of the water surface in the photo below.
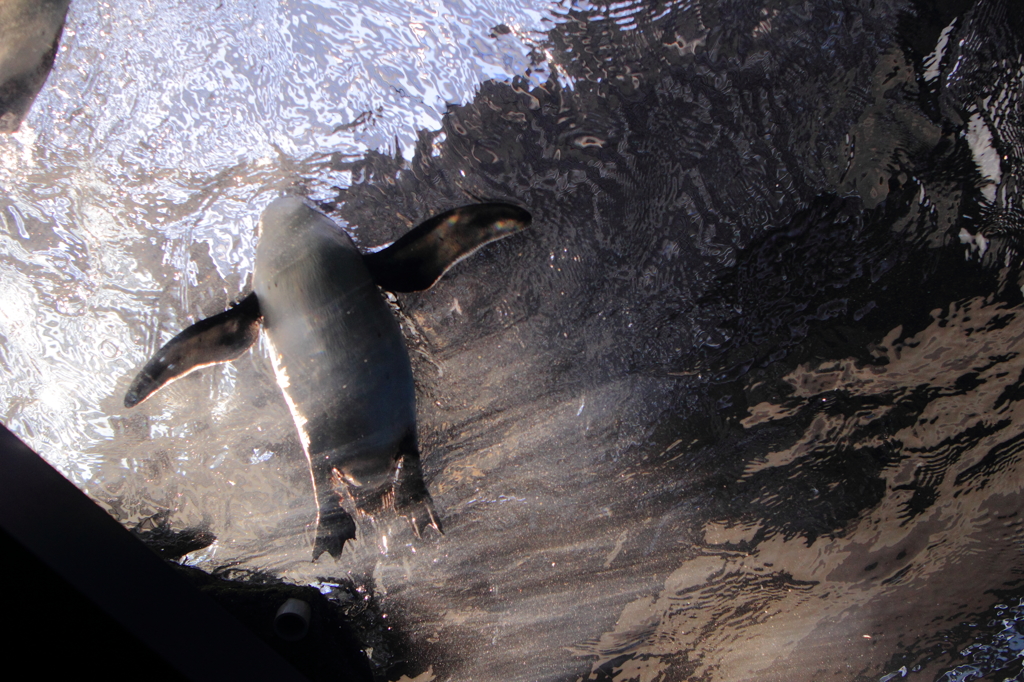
(741, 405)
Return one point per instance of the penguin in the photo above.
(338, 352)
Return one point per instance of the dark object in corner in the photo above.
(52, 618)
(30, 33)
(296, 621)
(109, 584)
(319, 642)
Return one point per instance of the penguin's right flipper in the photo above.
(422, 255)
(216, 339)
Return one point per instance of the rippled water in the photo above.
(741, 405)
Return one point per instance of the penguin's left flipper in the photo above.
(421, 256)
(220, 338)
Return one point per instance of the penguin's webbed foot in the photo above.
(335, 527)
(421, 514)
(412, 499)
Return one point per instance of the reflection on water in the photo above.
(742, 403)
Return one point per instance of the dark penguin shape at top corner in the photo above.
(30, 33)
(338, 351)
